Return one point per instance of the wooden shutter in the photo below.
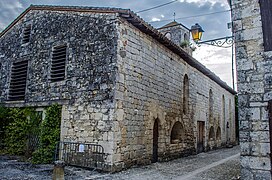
(26, 34)
(266, 14)
(58, 63)
(18, 81)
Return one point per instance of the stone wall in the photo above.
(118, 82)
(87, 93)
(149, 87)
(254, 74)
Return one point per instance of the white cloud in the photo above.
(218, 60)
(9, 11)
(155, 19)
(202, 2)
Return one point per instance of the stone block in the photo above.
(255, 113)
(119, 114)
(262, 175)
(98, 116)
(244, 64)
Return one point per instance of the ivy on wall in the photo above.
(23, 132)
(23, 122)
(50, 135)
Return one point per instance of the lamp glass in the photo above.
(199, 35)
(196, 34)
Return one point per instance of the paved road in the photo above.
(221, 164)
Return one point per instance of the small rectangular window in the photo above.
(18, 81)
(26, 34)
(58, 63)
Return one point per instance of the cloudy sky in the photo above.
(212, 15)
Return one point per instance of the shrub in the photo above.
(50, 135)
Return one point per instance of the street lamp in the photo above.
(196, 31)
(225, 42)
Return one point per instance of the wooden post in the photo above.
(58, 172)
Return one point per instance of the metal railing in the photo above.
(86, 155)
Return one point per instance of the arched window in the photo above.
(185, 94)
(210, 105)
(230, 116)
(177, 133)
(218, 134)
(223, 112)
(168, 35)
(211, 133)
(186, 37)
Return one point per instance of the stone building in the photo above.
(252, 30)
(121, 83)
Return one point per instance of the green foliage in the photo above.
(185, 44)
(4, 121)
(22, 123)
(50, 135)
(18, 125)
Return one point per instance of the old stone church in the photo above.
(122, 84)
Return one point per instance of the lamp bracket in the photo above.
(224, 42)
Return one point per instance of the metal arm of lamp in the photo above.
(225, 42)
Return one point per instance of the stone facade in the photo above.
(254, 89)
(179, 34)
(124, 88)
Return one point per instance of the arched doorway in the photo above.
(218, 137)
(155, 141)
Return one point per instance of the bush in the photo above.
(50, 135)
(20, 128)
(4, 121)
(23, 122)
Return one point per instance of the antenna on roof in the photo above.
(174, 16)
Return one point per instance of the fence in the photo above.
(81, 154)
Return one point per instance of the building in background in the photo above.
(122, 84)
(252, 30)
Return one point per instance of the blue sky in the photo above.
(215, 25)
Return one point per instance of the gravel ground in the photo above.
(221, 164)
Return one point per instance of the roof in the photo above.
(172, 24)
(139, 23)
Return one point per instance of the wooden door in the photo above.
(200, 136)
(155, 141)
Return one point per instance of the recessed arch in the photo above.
(218, 133)
(155, 140)
(186, 37)
(177, 133)
(211, 133)
(168, 35)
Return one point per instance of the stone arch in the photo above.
(177, 133)
(186, 37)
(185, 94)
(168, 35)
(218, 133)
(155, 142)
(211, 133)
